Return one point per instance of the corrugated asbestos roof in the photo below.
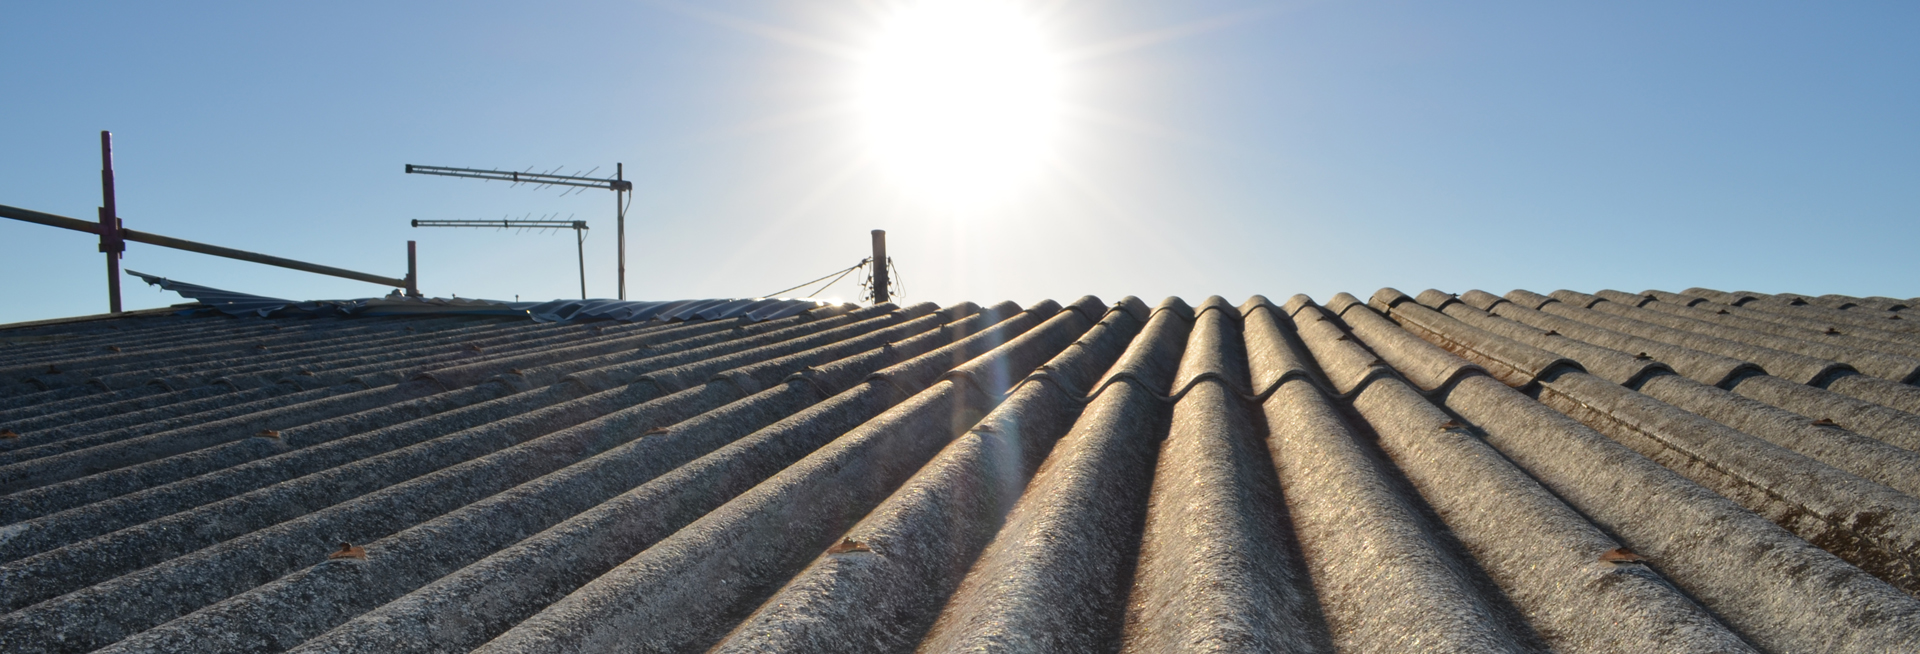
(396, 304)
(1661, 472)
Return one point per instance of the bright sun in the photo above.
(959, 99)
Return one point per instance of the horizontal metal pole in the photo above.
(509, 177)
(190, 246)
(526, 178)
(49, 220)
(437, 170)
(243, 255)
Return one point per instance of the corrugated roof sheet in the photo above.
(396, 304)
(1652, 472)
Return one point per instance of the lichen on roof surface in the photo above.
(1652, 472)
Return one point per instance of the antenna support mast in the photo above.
(579, 228)
(622, 196)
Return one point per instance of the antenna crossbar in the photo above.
(530, 178)
(508, 224)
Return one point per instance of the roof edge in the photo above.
(137, 313)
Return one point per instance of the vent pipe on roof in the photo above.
(880, 266)
(413, 272)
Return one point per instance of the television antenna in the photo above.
(622, 195)
(579, 228)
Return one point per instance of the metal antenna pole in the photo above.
(580, 240)
(620, 224)
(110, 237)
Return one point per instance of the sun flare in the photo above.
(959, 99)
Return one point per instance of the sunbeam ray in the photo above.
(770, 32)
(1167, 34)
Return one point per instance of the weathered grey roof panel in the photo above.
(759, 475)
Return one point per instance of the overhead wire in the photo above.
(807, 283)
(897, 288)
(836, 280)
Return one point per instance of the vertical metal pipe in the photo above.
(110, 238)
(620, 225)
(880, 266)
(413, 271)
(580, 240)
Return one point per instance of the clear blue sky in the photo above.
(1216, 147)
